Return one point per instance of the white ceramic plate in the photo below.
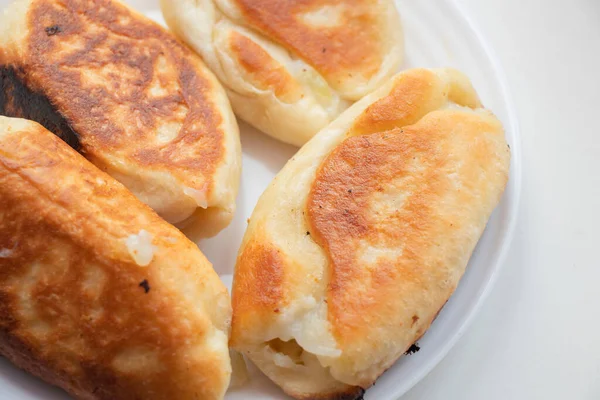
(438, 33)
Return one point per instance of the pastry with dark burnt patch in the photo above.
(128, 96)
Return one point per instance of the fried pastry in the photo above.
(360, 240)
(128, 96)
(291, 67)
(98, 294)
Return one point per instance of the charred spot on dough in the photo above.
(19, 101)
(354, 393)
(415, 319)
(145, 285)
(53, 30)
(412, 349)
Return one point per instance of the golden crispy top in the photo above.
(260, 270)
(76, 309)
(412, 96)
(265, 71)
(261, 277)
(338, 38)
(385, 196)
(366, 232)
(378, 207)
(127, 87)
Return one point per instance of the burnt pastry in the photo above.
(360, 240)
(291, 67)
(127, 95)
(99, 295)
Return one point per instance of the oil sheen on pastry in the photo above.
(128, 96)
(98, 294)
(291, 67)
(360, 240)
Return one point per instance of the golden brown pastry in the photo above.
(363, 236)
(98, 294)
(291, 67)
(130, 98)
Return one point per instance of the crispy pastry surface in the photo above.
(129, 97)
(291, 67)
(360, 240)
(98, 294)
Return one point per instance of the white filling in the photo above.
(288, 362)
(140, 248)
(304, 322)
(199, 196)
(283, 361)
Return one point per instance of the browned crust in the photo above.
(16, 99)
(413, 95)
(59, 212)
(258, 290)
(25, 358)
(338, 212)
(353, 46)
(397, 208)
(352, 393)
(267, 73)
(114, 112)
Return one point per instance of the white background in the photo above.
(538, 334)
